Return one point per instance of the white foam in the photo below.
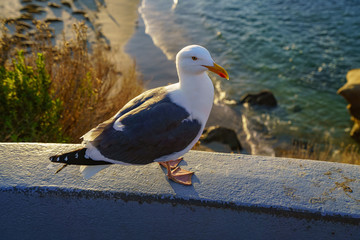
(162, 28)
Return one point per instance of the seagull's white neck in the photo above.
(199, 92)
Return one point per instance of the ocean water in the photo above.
(300, 50)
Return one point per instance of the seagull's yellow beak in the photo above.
(218, 70)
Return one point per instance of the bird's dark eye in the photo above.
(194, 58)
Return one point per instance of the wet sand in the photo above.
(117, 21)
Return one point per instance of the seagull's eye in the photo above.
(194, 58)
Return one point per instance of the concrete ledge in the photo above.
(276, 197)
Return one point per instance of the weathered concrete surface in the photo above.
(233, 196)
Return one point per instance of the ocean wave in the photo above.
(160, 25)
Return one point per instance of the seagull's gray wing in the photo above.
(152, 126)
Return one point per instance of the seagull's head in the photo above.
(195, 59)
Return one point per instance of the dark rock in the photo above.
(54, 5)
(66, 3)
(223, 135)
(32, 8)
(50, 20)
(22, 24)
(296, 109)
(27, 43)
(351, 92)
(25, 16)
(21, 37)
(31, 32)
(264, 98)
(9, 20)
(79, 12)
(355, 131)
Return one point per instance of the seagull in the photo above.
(160, 125)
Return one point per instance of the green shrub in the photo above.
(27, 110)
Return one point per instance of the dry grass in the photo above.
(350, 154)
(82, 78)
(323, 152)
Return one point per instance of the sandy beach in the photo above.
(115, 20)
(157, 72)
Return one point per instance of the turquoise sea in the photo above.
(300, 50)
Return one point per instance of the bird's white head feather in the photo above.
(191, 60)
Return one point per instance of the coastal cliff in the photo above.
(351, 92)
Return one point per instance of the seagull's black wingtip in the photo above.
(77, 157)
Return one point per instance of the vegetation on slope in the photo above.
(52, 93)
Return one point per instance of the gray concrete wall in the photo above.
(233, 197)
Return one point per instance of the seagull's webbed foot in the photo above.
(181, 176)
(172, 163)
(178, 175)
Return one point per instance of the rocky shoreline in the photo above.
(59, 15)
(351, 92)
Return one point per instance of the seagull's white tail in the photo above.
(90, 170)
